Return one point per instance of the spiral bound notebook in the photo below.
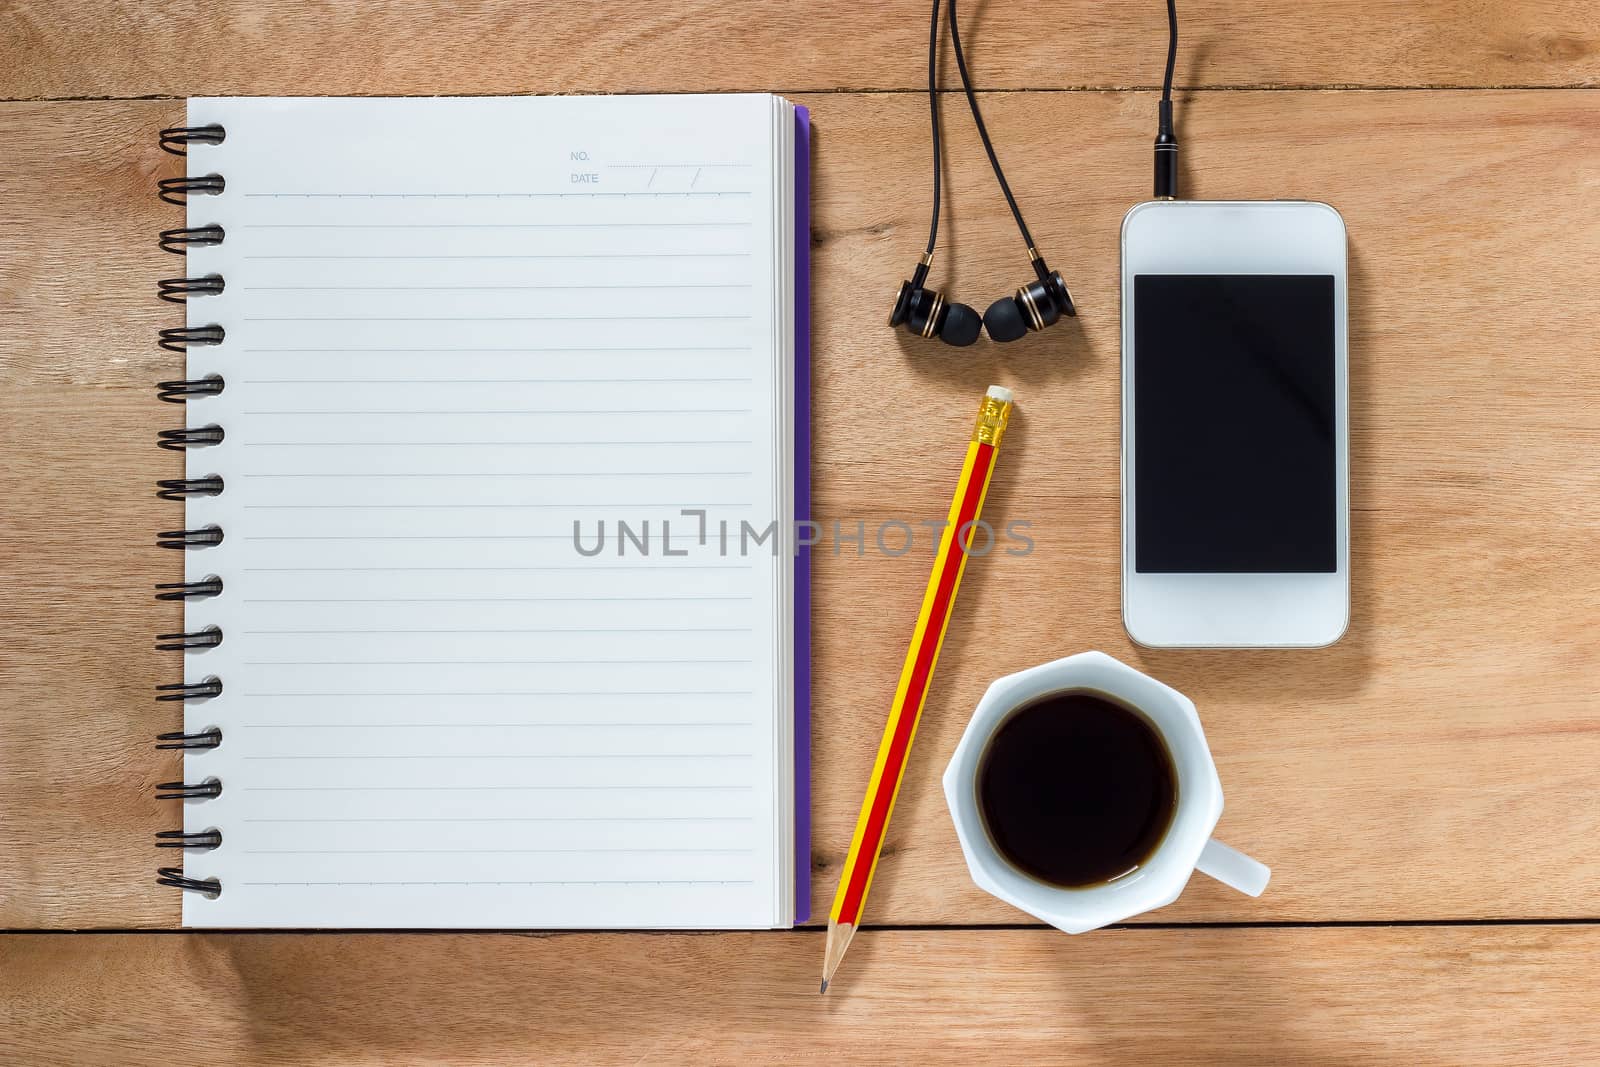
(496, 436)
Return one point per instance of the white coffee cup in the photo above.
(1187, 846)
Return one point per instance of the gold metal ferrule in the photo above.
(931, 327)
(926, 259)
(1033, 254)
(993, 416)
(1032, 308)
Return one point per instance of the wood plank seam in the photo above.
(945, 92)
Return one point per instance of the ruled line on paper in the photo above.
(485, 725)
(507, 381)
(506, 755)
(420, 537)
(609, 317)
(483, 444)
(516, 818)
(259, 694)
(501, 411)
(518, 788)
(561, 882)
(496, 474)
(576, 568)
(637, 285)
(585, 225)
(492, 600)
(493, 196)
(576, 506)
(518, 255)
(515, 350)
(493, 851)
(520, 630)
(486, 662)
(426, 537)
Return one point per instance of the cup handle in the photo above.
(1233, 868)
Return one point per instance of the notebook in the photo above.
(495, 439)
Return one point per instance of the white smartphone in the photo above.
(1235, 425)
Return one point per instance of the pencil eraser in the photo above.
(1001, 393)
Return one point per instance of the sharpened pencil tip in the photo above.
(824, 988)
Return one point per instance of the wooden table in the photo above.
(1426, 790)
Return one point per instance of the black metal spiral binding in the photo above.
(183, 338)
(181, 539)
(206, 637)
(177, 740)
(174, 877)
(178, 190)
(184, 488)
(206, 839)
(204, 690)
(178, 241)
(179, 290)
(177, 139)
(206, 790)
(204, 589)
(189, 437)
(178, 392)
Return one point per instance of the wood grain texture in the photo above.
(107, 48)
(1439, 762)
(77, 359)
(1311, 997)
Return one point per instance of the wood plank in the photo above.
(1419, 769)
(103, 48)
(1421, 997)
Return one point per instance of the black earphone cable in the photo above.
(933, 107)
(1172, 49)
(983, 134)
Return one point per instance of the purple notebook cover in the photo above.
(802, 511)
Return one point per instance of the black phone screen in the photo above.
(1235, 424)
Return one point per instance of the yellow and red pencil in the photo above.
(915, 675)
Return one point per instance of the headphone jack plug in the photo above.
(1166, 183)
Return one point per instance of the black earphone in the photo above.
(1038, 303)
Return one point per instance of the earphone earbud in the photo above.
(926, 313)
(1034, 306)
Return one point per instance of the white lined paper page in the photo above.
(453, 327)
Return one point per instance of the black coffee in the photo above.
(1075, 789)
